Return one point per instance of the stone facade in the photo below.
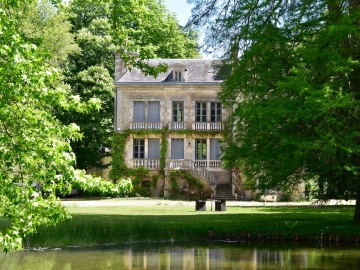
(189, 82)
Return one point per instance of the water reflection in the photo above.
(182, 257)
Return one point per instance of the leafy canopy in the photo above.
(294, 89)
(89, 71)
(34, 146)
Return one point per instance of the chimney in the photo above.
(120, 67)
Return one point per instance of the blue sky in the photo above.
(180, 8)
(183, 12)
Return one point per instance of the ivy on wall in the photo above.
(120, 169)
(193, 182)
(163, 151)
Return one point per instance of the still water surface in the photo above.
(155, 256)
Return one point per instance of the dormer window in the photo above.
(178, 72)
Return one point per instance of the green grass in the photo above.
(162, 222)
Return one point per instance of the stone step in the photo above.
(224, 192)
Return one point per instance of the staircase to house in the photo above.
(194, 168)
(224, 192)
(220, 181)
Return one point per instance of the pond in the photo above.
(184, 256)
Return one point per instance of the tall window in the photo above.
(154, 111)
(200, 148)
(215, 149)
(139, 111)
(154, 148)
(177, 148)
(178, 111)
(139, 148)
(200, 112)
(216, 112)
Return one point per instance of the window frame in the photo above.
(138, 148)
(178, 76)
(178, 111)
(200, 112)
(136, 115)
(180, 144)
(201, 149)
(215, 112)
(150, 116)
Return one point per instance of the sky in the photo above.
(183, 12)
(180, 8)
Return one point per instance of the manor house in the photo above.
(180, 106)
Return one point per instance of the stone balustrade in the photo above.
(194, 166)
(177, 126)
(148, 163)
(146, 125)
(207, 126)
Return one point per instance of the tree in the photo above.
(161, 37)
(47, 26)
(34, 145)
(35, 150)
(294, 88)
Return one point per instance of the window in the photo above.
(178, 76)
(177, 148)
(216, 112)
(139, 148)
(178, 111)
(145, 183)
(154, 111)
(139, 111)
(154, 148)
(200, 151)
(215, 149)
(200, 112)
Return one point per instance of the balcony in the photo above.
(154, 164)
(177, 126)
(146, 125)
(207, 126)
(209, 164)
(148, 163)
(184, 164)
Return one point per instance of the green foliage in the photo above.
(149, 28)
(163, 150)
(91, 226)
(35, 149)
(295, 92)
(35, 145)
(47, 26)
(194, 183)
(119, 168)
(100, 28)
(140, 191)
(154, 180)
(200, 133)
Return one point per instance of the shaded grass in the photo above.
(97, 225)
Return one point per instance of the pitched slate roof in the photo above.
(196, 71)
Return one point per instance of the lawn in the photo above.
(180, 222)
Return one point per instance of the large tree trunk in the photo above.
(357, 209)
